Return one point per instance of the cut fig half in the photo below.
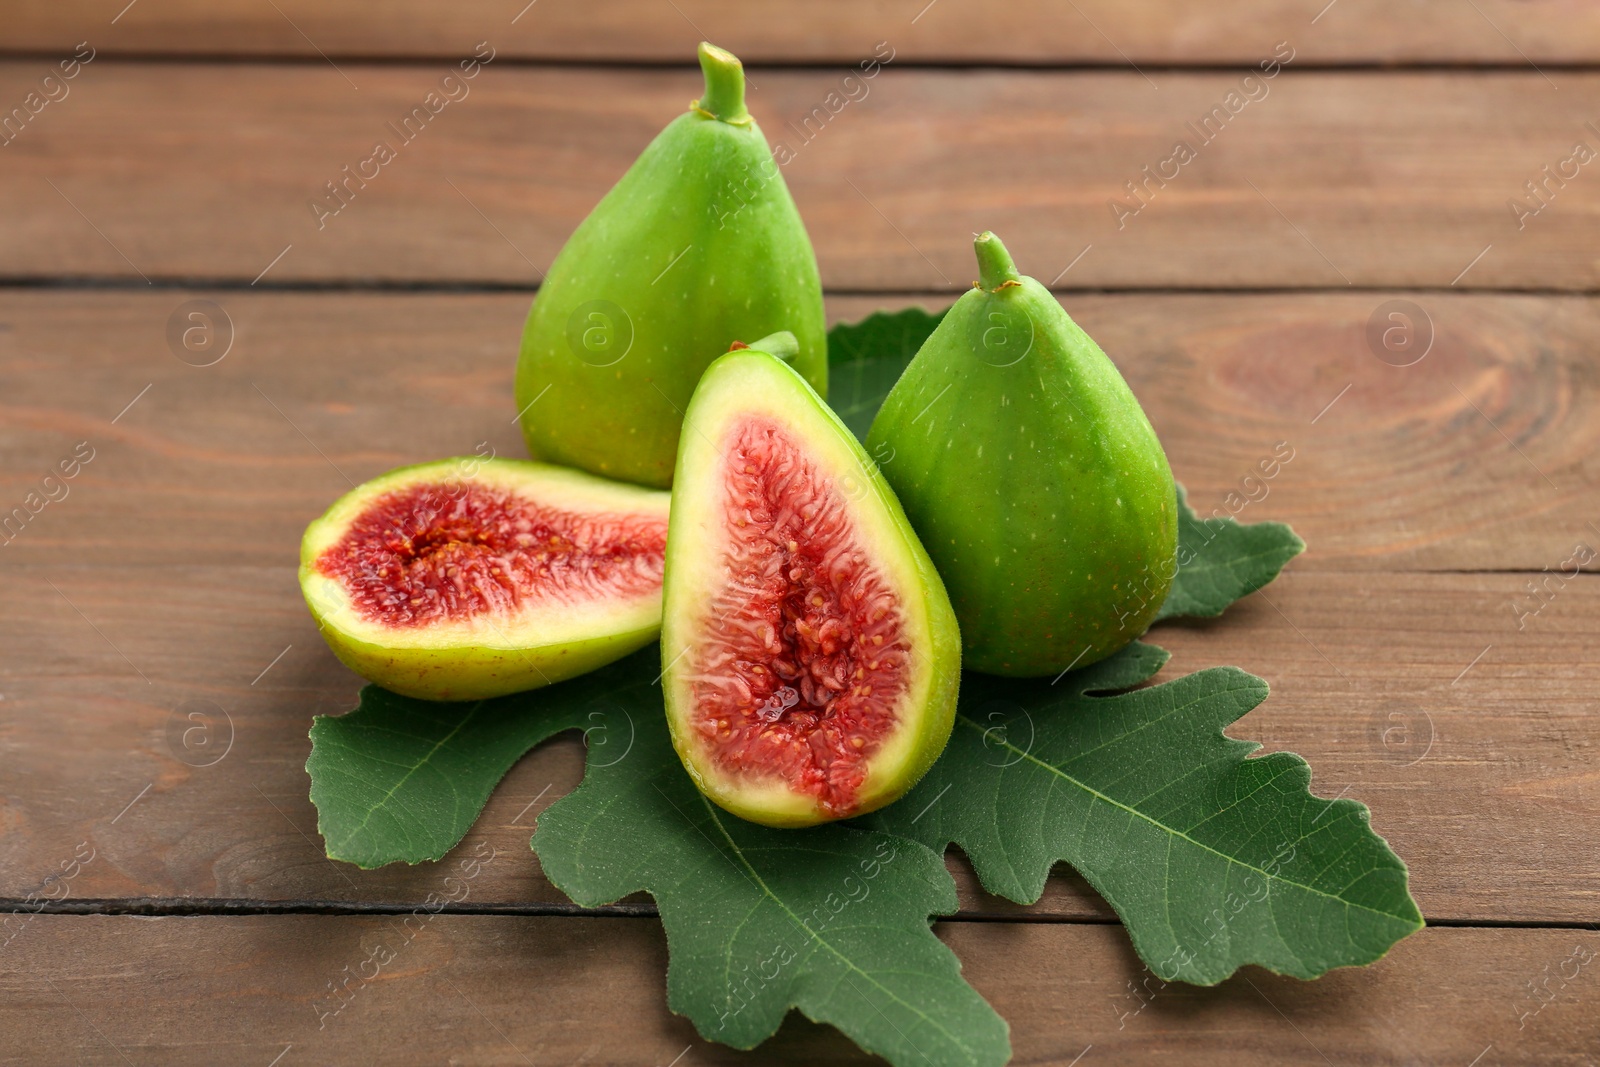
(472, 578)
(812, 657)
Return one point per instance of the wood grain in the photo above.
(1474, 744)
(1480, 456)
(1329, 180)
(204, 990)
(1024, 31)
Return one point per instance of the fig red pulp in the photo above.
(444, 553)
(807, 657)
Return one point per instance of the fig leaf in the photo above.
(403, 780)
(1212, 860)
(831, 920)
(866, 358)
(1221, 560)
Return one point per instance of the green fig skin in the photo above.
(1033, 477)
(698, 245)
(758, 380)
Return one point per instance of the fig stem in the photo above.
(724, 96)
(782, 344)
(994, 262)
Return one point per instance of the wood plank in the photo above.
(205, 990)
(1474, 744)
(1328, 179)
(1438, 466)
(1025, 31)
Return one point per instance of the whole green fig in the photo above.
(1033, 478)
(699, 245)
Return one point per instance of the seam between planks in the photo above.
(649, 64)
(183, 283)
(222, 907)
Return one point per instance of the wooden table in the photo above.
(1245, 297)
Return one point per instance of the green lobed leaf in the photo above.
(1211, 859)
(402, 780)
(832, 920)
(1221, 560)
(866, 358)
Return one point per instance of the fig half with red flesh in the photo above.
(472, 578)
(811, 654)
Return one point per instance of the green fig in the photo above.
(811, 656)
(1033, 477)
(697, 246)
(476, 577)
